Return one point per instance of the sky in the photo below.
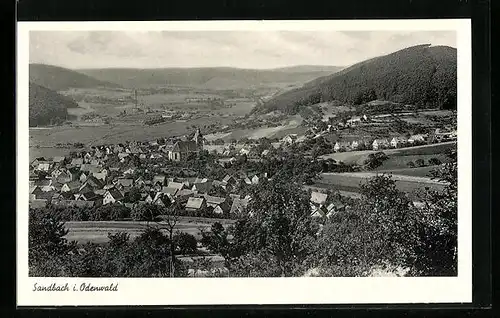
(242, 49)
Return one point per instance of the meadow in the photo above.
(351, 182)
(97, 231)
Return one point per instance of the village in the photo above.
(110, 174)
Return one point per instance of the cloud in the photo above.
(244, 49)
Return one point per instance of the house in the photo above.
(213, 201)
(83, 178)
(100, 175)
(195, 204)
(43, 183)
(88, 196)
(361, 144)
(86, 187)
(289, 139)
(156, 155)
(230, 180)
(77, 162)
(161, 199)
(44, 166)
(159, 179)
(126, 183)
(58, 160)
(318, 211)
(353, 121)
(112, 196)
(122, 156)
(318, 197)
(94, 182)
(255, 179)
(185, 193)
(176, 185)
(36, 161)
(203, 187)
(380, 144)
(341, 146)
(398, 142)
(334, 207)
(129, 171)
(239, 206)
(64, 177)
(35, 190)
(72, 186)
(169, 191)
(244, 151)
(45, 195)
(182, 149)
(417, 139)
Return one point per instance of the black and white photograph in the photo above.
(229, 153)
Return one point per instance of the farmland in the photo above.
(97, 231)
(351, 182)
(411, 153)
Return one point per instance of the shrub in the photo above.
(434, 161)
(411, 164)
(185, 243)
(420, 162)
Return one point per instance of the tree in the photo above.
(434, 161)
(375, 160)
(410, 164)
(420, 162)
(185, 243)
(377, 230)
(146, 212)
(276, 236)
(47, 247)
(437, 248)
(133, 195)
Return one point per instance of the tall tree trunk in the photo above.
(172, 252)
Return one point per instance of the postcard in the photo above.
(244, 162)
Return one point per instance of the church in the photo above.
(181, 150)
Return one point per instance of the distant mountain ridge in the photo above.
(209, 77)
(59, 78)
(419, 75)
(47, 106)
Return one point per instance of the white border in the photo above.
(212, 291)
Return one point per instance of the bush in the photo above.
(411, 164)
(434, 161)
(111, 212)
(185, 243)
(146, 212)
(419, 162)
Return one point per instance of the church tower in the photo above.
(198, 138)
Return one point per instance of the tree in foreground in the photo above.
(273, 238)
(437, 248)
(379, 230)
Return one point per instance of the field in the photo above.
(97, 231)
(411, 153)
(351, 182)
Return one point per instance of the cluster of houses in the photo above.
(395, 142)
(90, 181)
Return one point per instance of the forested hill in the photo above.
(421, 75)
(58, 78)
(217, 78)
(46, 106)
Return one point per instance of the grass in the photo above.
(97, 231)
(426, 151)
(351, 182)
(417, 172)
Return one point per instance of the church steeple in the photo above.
(198, 138)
